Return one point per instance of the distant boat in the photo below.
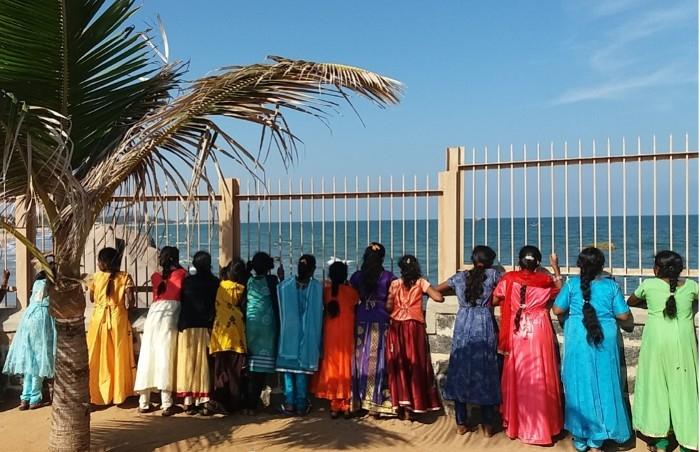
(533, 225)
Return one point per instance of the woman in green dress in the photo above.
(666, 391)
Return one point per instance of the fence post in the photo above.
(25, 222)
(451, 216)
(229, 221)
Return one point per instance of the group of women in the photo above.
(361, 343)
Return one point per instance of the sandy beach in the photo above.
(122, 429)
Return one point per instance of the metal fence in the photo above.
(630, 199)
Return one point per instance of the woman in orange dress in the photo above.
(333, 380)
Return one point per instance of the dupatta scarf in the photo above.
(539, 279)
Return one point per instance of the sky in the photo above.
(475, 73)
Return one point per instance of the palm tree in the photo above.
(87, 106)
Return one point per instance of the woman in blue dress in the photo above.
(473, 374)
(590, 307)
(33, 348)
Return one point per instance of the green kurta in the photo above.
(666, 391)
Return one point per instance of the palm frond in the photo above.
(186, 129)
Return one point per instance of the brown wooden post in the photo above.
(451, 216)
(229, 221)
(25, 222)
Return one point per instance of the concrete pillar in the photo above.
(229, 221)
(451, 216)
(25, 222)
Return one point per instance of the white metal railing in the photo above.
(336, 220)
(563, 202)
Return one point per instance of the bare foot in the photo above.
(488, 430)
(462, 429)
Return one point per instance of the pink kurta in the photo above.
(532, 402)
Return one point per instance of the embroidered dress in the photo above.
(227, 344)
(33, 348)
(262, 324)
(595, 409)
(532, 404)
(370, 385)
(195, 321)
(666, 390)
(158, 354)
(473, 375)
(411, 378)
(110, 341)
(333, 380)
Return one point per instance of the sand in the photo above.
(122, 429)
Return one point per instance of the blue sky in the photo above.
(475, 73)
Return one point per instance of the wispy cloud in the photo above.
(620, 57)
(617, 88)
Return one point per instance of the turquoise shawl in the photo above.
(301, 318)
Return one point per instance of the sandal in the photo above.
(168, 411)
(191, 410)
(23, 405)
(287, 410)
(335, 415)
(462, 429)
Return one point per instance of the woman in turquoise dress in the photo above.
(33, 348)
(262, 328)
(590, 306)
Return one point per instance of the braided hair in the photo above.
(410, 270)
(168, 259)
(110, 260)
(338, 274)
(372, 267)
(591, 262)
(482, 258)
(529, 259)
(669, 264)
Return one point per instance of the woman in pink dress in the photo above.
(532, 401)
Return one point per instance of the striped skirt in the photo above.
(370, 386)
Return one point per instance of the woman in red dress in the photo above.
(530, 385)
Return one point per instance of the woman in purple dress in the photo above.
(370, 388)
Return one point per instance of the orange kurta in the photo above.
(110, 341)
(333, 380)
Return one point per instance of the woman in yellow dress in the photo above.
(227, 344)
(109, 337)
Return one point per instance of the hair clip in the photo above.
(529, 257)
(375, 247)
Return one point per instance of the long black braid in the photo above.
(338, 274)
(169, 259)
(591, 262)
(110, 259)
(482, 258)
(519, 312)
(669, 265)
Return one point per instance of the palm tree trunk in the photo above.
(70, 420)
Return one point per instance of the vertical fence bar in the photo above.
(367, 208)
(595, 199)
(551, 191)
(512, 217)
(279, 221)
(391, 216)
(639, 205)
(335, 252)
(525, 190)
(653, 163)
(345, 218)
(486, 196)
(427, 224)
(670, 193)
(539, 200)
(313, 219)
(580, 198)
(610, 243)
(269, 217)
(259, 215)
(566, 204)
(301, 216)
(473, 196)
(403, 216)
(379, 208)
(498, 201)
(415, 215)
(687, 205)
(624, 212)
(291, 232)
(357, 222)
(323, 218)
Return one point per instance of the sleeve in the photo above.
(155, 280)
(619, 303)
(452, 281)
(393, 288)
(424, 285)
(563, 300)
(639, 292)
(91, 285)
(500, 290)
